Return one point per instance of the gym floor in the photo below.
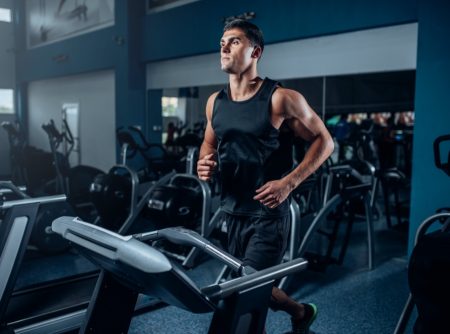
(350, 298)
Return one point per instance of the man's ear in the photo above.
(257, 51)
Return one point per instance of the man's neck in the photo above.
(242, 87)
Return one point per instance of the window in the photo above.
(174, 116)
(6, 101)
(5, 15)
(169, 106)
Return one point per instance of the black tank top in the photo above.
(250, 151)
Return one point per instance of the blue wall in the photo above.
(430, 186)
(196, 28)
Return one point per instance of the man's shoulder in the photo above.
(285, 100)
(213, 96)
(282, 95)
(286, 92)
(210, 102)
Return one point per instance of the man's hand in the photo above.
(206, 167)
(273, 193)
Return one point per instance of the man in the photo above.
(244, 139)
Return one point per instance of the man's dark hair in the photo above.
(251, 31)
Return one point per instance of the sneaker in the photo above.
(302, 326)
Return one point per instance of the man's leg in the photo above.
(302, 315)
(280, 301)
(265, 247)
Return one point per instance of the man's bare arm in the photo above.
(206, 163)
(291, 107)
(305, 123)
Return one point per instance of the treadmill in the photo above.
(56, 306)
(130, 266)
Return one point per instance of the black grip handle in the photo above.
(437, 154)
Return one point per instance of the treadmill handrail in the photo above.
(99, 239)
(41, 200)
(112, 245)
(185, 237)
(223, 290)
(7, 187)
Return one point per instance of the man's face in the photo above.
(235, 51)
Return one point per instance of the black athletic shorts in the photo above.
(259, 242)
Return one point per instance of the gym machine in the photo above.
(180, 200)
(41, 237)
(30, 166)
(428, 270)
(345, 189)
(425, 292)
(25, 310)
(73, 181)
(158, 160)
(184, 200)
(129, 266)
(56, 306)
